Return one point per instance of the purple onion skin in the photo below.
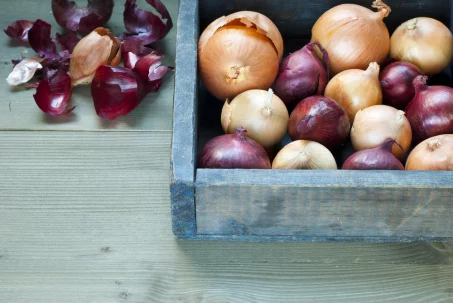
(319, 119)
(302, 74)
(430, 112)
(396, 83)
(234, 151)
(379, 158)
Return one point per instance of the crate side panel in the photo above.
(332, 208)
(184, 121)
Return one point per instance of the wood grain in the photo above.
(18, 110)
(85, 217)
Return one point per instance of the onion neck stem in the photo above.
(373, 69)
(267, 110)
(240, 133)
(383, 9)
(434, 144)
(400, 115)
(412, 24)
(420, 83)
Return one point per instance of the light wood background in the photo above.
(85, 217)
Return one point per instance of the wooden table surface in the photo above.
(85, 216)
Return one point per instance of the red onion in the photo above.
(234, 151)
(145, 25)
(19, 30)
(396, 82)
(379, 158)
(302, 74)
(320, 119)
(53, 95)
(67, 41)
(84, 19)
(430, 112)
(116, 91)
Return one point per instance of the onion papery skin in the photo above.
(53, 95)
(262, 113)
(239, 52)
(396, 83)
(367, 36)
(302, 74)
(356, 89)
(67, 41)
(431, 110)
(374, 125)
(320, 119)
(18, 30)
(435, 153)
(234, 151)
(425, 42)
(379, 158)
(304, 154)
(84, 19)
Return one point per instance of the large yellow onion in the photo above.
(353, 35)
(435, 153)
(424, 42)
(356, 89)
(261, 112)
(239, 52)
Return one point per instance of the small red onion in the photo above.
(302, 74)
(84, 19)
(234, 151)
(320, 119)
(19, 30)
(396, 83)
(430, 112)
(53, 95)
(116, 91)
(67, 41)
(379, 158)
(145, 25)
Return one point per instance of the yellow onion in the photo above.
(374, 125)
(356, 89)
(424, 42)
(239, 52)
(304, 154)
(98, 48)
(261, 112)
(353, 35)
(435, 153)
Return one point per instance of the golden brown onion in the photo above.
(353, 35)
(239, 52)
(304, 154)
(435, 153)
(356, 89)
(424, 42)
(261, 112)
(375, 124)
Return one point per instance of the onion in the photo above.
(116, 91)
(356, 89)
(304, 154)
(84, 19)
(319, 119)
(144, 25)
(67, 41)
(262, 113)
(396, 83)
(431, 110)
(19, 30)
(375, 124)
(53, 95)
(424, 42)
(239, 52)
(302, 74)
(435, 153)
(353, 35)
(379, 158)
(234, 151)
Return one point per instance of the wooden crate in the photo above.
(272, 205)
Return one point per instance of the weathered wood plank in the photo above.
(325, 205)
(18, 110)
(185, 122)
